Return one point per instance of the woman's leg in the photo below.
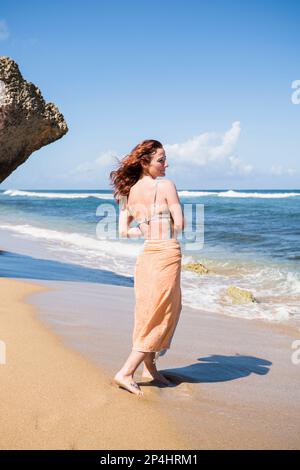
(124, 376)
(150, 371)
(149, 363)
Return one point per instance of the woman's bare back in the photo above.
(141, 206)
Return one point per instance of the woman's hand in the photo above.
(133, 232)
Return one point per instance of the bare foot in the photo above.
(155, 375)
(127, 382)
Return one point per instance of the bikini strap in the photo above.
(156, 182)
(128, 208)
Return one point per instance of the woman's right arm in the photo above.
(174, 206)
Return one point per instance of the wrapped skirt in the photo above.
(157, 277)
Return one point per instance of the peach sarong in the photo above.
(157, 295)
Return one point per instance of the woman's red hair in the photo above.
(131, 167)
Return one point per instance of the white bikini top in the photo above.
(161, 215)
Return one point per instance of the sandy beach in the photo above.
(235, 386)
(53, 398)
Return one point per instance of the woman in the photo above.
(155, 205)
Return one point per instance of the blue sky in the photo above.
(210, 79)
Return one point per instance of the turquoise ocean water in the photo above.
(251, 240)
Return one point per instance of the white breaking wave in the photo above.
(232, 193)
(229, 193)
(196, 193)
(277, 292)
(74, 239)
(17, 192)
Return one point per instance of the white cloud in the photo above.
(211, 150)
(105, 159)
(238, 166)
(206, 148)
(279, 170)
(4, 32)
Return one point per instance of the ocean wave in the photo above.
(74, 240)
(232, 193)
(197, 193)
(276, 289)
(17, 192)
(229, 193)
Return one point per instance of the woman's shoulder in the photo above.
(168, 184)
(166, 181)
(141, 186)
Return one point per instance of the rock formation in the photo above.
(27, 123)
(240, 296)
(196, 268)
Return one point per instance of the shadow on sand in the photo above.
(215, 368)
